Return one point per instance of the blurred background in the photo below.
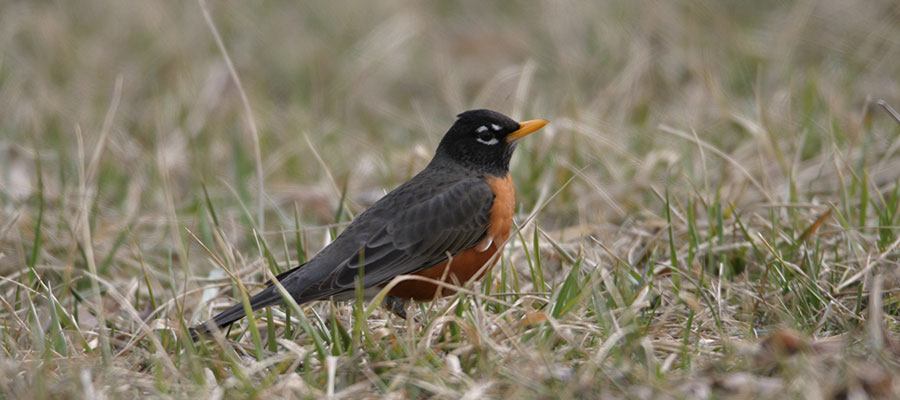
(373, 86)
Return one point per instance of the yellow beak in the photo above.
(525, 129)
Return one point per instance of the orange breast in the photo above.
(467, 263)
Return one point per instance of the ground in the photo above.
(711, 213)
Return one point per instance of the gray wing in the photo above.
(414, 227)
(387, 243)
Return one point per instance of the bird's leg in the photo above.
(396, 305)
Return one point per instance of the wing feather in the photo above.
(422, 235)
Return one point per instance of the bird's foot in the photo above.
(396, 305)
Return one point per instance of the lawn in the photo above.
(711, 213)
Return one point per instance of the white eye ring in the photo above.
(496, 127)
(491, 142)
(481, 129)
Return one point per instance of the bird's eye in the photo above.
(485, 136)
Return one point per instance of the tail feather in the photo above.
(269, 296)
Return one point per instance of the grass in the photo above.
(712, 213)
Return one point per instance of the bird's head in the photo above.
(485, 140)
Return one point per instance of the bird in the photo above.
(445, 223)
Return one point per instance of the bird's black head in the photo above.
(485, 140)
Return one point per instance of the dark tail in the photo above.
(269, 296)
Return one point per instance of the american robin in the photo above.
(444, 223)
